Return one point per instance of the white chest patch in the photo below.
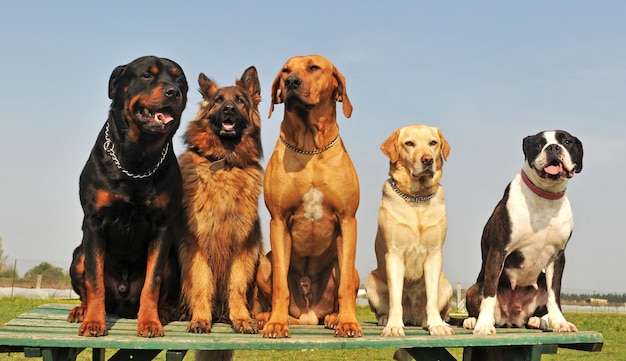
(540, 229)
(312, 203)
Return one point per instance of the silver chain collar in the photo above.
(309, 152)
(408, 198)
(109, 147)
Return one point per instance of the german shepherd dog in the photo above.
(222, 244)
(131, 194)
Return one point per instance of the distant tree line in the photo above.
(581, 297)
(49, 273)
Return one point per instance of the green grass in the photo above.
(611, 325)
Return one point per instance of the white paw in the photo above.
(484, 330)
(537, 323)
(393, 331)
(441, 330)
(469, 323)
(564, 327)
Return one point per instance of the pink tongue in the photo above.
(164, 118)
(553, 169)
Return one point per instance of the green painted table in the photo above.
(45, 332)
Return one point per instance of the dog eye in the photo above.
(239, 100)
(147, 76)
(219, 99)
(408, 143)
(433, 143)
(313, 67)
(286, 70)
(567, 142)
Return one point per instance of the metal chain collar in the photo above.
(109, 147)
(309, 152)
(408, 198)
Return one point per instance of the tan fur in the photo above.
(222, 177)
(408, 286)
(312, 199)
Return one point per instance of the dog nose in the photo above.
(293, 82)
(427, 160)
(171, 92)
(228, 108)
(553, 149)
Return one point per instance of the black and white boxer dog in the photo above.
(524, 240)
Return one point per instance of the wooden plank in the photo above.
(47, 327)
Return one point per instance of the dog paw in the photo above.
(275, 330)
(245, 325)
(199, 326)
(150, 329)
(469, 323)
(76, 314)
(393, 331)
(441, 330)
(93, 329)
(537, 323)
(261, 319)
(331, 321)
(484, 330)
(564, 327)
(348, 329)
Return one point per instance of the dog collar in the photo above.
(540, 192)
(408, 198)
(109, 147)
(309, 152)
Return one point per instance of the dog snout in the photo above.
(171, 91)
(293, 82)
(427, 160)
(228, 108)
(553, 149)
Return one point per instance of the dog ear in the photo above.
(207, 86)
(341, 95)
(114, 79)
(250, 82)
(277, 96)
(579, 155)
(390, 147)
(445, 146)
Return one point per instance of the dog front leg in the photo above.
(348, 324)
(494, 263)
(280, 241)
(395, 281)
(554, 272)
(241, 275)
(432, 276)
(94, 318)
(197, 286)
(148, 322)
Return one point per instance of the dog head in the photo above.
(416, 155)
(310, 83)
(149, 94)
(227, 115)
(552, 157)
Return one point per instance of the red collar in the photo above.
(541, 192)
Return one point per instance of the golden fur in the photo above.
(222, 178)
(408, 286)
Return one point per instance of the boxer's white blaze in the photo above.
(312, 203)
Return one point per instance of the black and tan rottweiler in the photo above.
(131, 193)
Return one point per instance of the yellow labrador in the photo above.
(408, 287)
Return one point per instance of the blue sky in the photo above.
(487, 73)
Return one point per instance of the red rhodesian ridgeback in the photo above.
(312, 193)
